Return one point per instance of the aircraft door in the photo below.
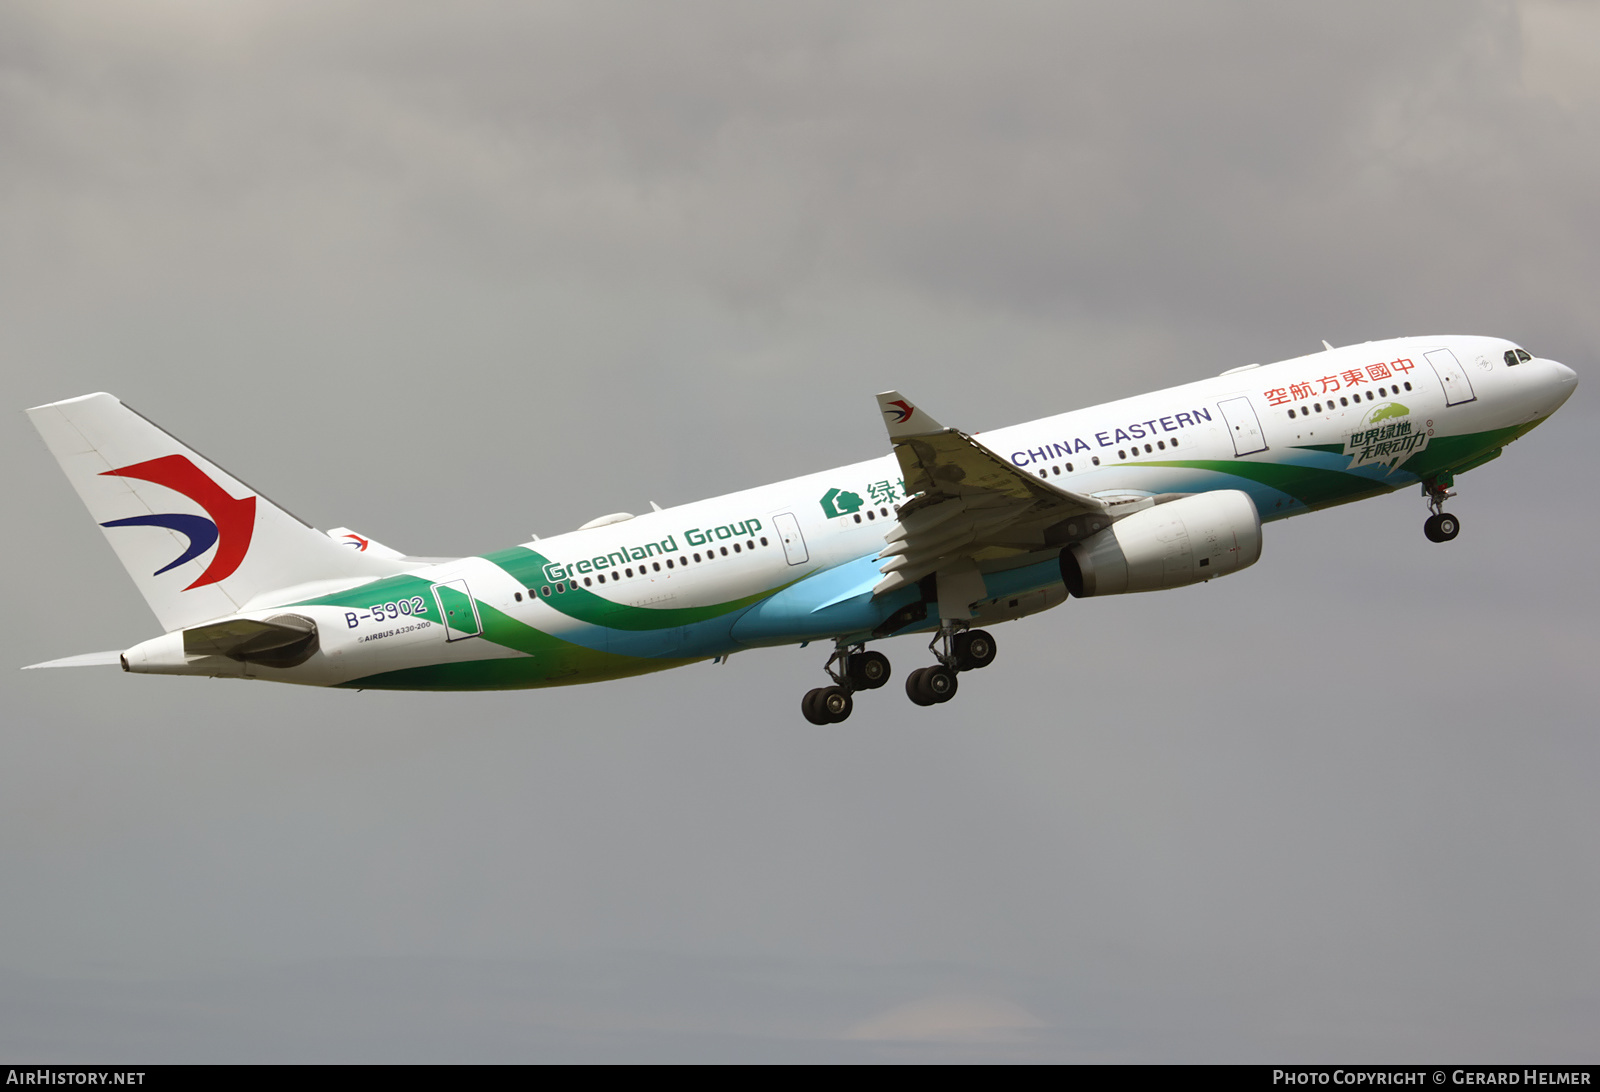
(1243, 426)
(1457, 387)
(794, 544)
(458, 610)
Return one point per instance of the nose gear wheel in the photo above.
(1441, 526)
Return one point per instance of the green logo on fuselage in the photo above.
(1372, 442)
(840, 502)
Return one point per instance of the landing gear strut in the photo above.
(957, 649)
(1441, 526)
(857, 669)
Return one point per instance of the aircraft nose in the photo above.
(1562, 382)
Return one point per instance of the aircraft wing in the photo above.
(967, 503)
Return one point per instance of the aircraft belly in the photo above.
(834, 601)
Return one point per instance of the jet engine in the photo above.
(1167, 545)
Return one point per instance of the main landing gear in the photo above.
(963, 650)
(1441, 526)
(858, 670)
(854, 668)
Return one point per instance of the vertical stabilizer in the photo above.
(198, 542)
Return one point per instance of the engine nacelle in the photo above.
(1167, 546)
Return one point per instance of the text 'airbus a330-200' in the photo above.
(948, 534)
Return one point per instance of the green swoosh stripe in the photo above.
(527, 567)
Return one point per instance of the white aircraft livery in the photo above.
(949, 533)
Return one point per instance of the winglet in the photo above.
(903, 419)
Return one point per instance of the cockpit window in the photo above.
(1517, 356)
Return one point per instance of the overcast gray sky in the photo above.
(454, 274)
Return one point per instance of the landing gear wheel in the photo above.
(812, 709)
(939, 682)
(915, 690)
(835, 703)
(1441, 527)
(869, 670)
(973, 648)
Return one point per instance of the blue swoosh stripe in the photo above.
(201, 533)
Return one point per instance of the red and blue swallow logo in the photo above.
(232, 522)
(903, 414)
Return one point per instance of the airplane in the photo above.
(949, 533)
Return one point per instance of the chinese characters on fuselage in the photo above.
(1329, 384)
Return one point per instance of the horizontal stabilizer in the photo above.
(88, 659)
(249, 638)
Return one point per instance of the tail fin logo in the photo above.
(232, 522)
(903, 414)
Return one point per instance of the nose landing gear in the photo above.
(1441, 526)
(857, 669)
